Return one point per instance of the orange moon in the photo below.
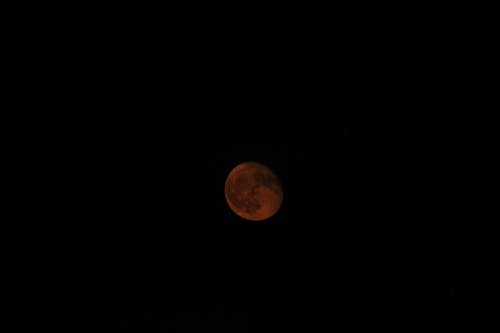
(253, 191)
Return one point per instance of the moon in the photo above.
(253, 191)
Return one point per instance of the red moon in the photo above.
(253, 191)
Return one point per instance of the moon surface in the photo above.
(253, 191)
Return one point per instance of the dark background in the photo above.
(152, 117)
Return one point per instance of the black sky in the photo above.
(365, 236)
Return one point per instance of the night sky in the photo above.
(367, 236)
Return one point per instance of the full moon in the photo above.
(253, 191)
